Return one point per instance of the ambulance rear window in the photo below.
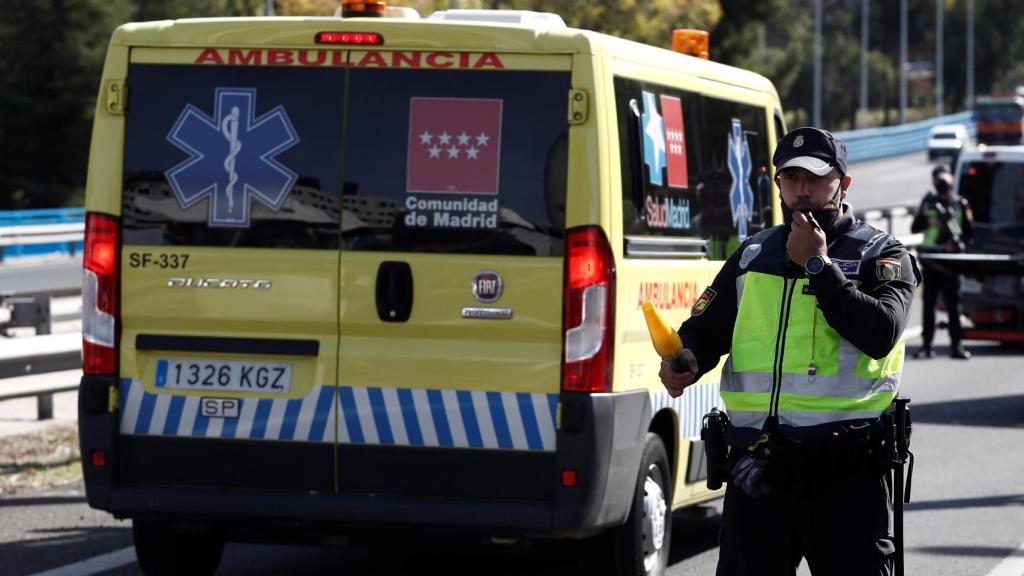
(456, 161)
(462, 161)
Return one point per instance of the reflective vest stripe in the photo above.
(761, 383)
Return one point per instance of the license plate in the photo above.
(226, 376)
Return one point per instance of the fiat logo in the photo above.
(487, 286)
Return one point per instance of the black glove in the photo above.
(752, 475)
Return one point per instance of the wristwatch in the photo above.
(816, 264)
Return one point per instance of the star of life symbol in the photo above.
(741, 197)
(454, 145)
(232, 157)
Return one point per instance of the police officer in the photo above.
(947, 224)
(811, 313)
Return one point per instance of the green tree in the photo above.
(146, 10)
(51, 55)
(647, 21)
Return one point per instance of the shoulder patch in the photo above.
(887, 269)
(704, 301)
(749, 253)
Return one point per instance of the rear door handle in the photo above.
(394, 291)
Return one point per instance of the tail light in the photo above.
(99, 294)
(589, 311)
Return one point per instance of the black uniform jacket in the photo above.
(870, 316)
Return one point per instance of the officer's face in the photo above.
(802, 190)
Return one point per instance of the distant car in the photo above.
(947, 140)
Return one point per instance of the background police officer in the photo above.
(811, 313)
(947, 224)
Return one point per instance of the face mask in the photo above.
(942, 187)
(826, 217)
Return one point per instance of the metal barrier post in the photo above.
(44, 406)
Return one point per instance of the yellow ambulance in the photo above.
(383, 271)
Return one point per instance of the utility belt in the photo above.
(778, 463)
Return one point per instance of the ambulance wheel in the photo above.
(165, 548)
(642, 544)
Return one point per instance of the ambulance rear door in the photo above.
(229, 271)
(450, 313)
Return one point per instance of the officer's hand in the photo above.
(676, 382)
(804, 240)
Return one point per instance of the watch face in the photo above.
(814, 264)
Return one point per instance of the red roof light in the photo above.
(357, 38)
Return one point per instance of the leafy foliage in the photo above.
(51, 56)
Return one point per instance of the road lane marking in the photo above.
(94, 565)
(1012, 565)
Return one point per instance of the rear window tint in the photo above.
(426, 160)
(456, 161)
(233, 156)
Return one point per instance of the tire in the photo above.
(165, 548)
(641, 545)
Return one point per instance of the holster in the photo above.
(712, 433)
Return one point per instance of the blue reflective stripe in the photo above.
(259, 421)
(174, 415)
(122, 394)
(380, 415)
(553, 404)
(412, 424)
(444, 433)
(199, 428)
(469, 419)
(231, 424)
(529, 421)
(323, 410)
(500, 422)
(348, 406)
(145, 413)
(291, 418)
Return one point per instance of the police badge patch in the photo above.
(887, 269)
(703, 302)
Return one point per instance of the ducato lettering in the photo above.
(228, 283)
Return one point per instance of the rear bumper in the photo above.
(600, 438)
(1000, 335)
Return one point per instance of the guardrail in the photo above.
(41, 232)
(896, 221)
(872, 143)
(42, 391)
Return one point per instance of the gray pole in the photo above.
(940, 8)
(970, 54)
(903, 61)
(864, 64)
(268, 8)
(817, 64)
